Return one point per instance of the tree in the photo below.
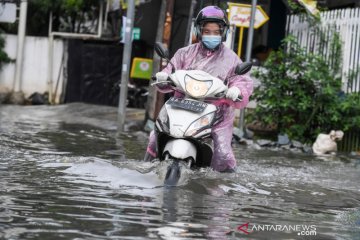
(68, 15)
(301, 93)
(4, 58)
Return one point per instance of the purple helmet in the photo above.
(212, 14)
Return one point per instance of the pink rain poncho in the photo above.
(220, 63)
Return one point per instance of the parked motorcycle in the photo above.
(184, 125)
(137, 96)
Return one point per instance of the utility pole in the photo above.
(126, 63)
(248, 59)
(160, 97)
(151, 100)
(251, 31)
(20, 46)
(188, 35)
(163, 34)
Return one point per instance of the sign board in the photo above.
(240, 14)
(141, 68)
(310, 6)
(135, 33)
(124, 3)
(8, 12)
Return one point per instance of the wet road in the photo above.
(64, 174)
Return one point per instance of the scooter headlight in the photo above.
(162, 121)
(200, 123)
(197, 88)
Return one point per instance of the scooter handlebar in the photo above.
(168, 81)
(171, 85)
(239, 99)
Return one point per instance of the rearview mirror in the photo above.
(161, 50)
(243, 68)
(164, 53)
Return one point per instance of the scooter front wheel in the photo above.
(173, 174)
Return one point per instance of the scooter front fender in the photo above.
(180, 149)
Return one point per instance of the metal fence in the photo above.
(317, 39)
(350, 142)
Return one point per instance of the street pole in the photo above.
(151, 100)
(251, 31)
(20, 46)
(188, 34)
(248, 59)
(50, 59)
(126, 63)
(160, 97)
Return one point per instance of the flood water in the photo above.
(65, 174)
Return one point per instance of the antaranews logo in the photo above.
(244, 228)
(302, 230)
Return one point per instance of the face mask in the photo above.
(211, 41)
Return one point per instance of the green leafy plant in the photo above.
(68, 15)
(300, 92)
(4, 58)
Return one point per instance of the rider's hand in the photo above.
(233, 93)
(161, 77)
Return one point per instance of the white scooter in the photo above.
(183, 126)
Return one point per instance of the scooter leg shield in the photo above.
(180, 149)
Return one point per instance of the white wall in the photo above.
(35, 66)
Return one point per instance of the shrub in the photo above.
(300, 92)
(4, 58)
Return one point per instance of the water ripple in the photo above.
(61, 177)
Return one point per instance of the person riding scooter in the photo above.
(209, 54)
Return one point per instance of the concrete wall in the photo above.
(35, 65)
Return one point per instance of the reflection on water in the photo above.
(65, 175)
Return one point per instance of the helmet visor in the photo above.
(214, 32)
(212, 12)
